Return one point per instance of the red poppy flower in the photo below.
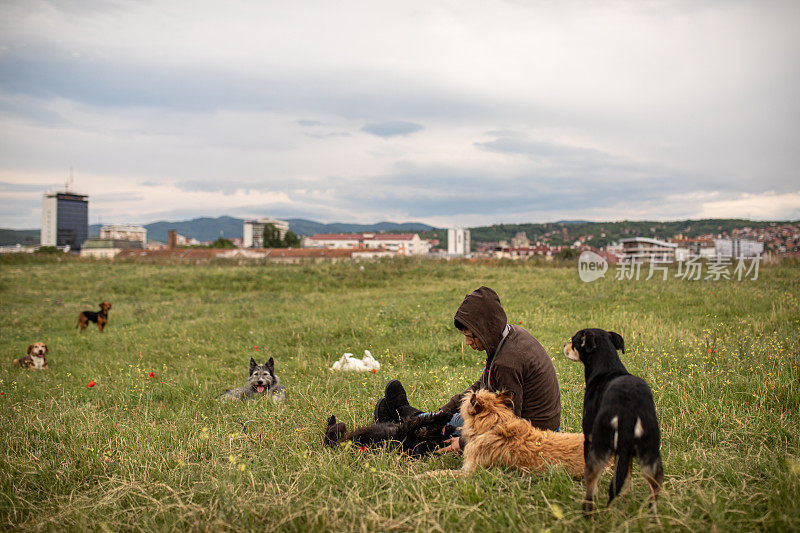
(256, 348)
(362, 449)
(2, 393)
(709, 350)
(91, 384)
(373, 370)
(520, 321)
(152, 374)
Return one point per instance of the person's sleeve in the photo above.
(455, 402)
(509, 379)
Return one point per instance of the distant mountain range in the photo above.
(308, 227)
(208, 229)
(27, 237)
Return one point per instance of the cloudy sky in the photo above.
(446, 112)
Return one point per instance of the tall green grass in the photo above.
(162, 453)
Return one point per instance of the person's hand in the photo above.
(453, 445)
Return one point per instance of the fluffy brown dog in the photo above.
(100, 317)
(497, 437)
(35, 360)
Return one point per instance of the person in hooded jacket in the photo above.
(515, 362)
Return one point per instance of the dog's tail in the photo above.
(624, 448)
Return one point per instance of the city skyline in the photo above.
(444, 113)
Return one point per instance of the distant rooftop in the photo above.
(647, 240)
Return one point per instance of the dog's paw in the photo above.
(442, 418)
(588, 508)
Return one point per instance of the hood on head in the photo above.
(483, 315)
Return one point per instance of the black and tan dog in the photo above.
(99, 317)
(35, 360)
(417, 435)
(619, 416)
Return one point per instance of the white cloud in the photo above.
(765, 206)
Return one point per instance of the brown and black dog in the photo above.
(35, 360)
(100, 317)
(619, 416)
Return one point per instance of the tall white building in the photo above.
(124, 232)
(65, 219)
(458, 242)
(253, 231)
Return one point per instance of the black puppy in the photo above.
(619, 415)
(418, 435)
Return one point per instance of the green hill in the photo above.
(10, 237)
(567, 232)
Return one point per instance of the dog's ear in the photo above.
(100, 305)
(30, 349)
(47, 350)
(253, 365)
(588, 341)
(506, 398)
(330, 432)
(270, 365)
(616, 340)
(476, 405)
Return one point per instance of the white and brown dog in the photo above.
(35, 360)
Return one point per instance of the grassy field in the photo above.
(162, 453)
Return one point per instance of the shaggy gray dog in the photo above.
(262, 381)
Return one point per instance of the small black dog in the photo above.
(619, 416)
(418, 435)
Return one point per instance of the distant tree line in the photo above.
(272, 238)
(603, 233)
